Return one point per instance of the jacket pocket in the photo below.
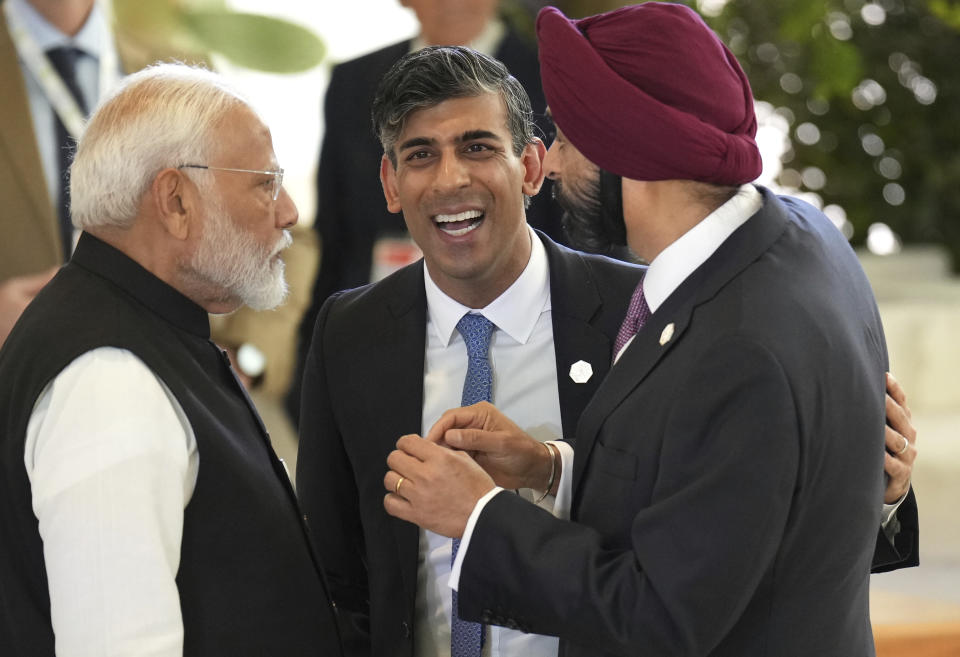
(615, 462)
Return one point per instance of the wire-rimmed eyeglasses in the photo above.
(277, 175)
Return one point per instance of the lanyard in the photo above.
(52, 85)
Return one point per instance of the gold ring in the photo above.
(396, 489)
(906, 444)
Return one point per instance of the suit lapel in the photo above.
(640, 357)
(405, 320)
(17, 141)
(655, 340)
(575, 301)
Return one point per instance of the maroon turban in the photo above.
(649, 92)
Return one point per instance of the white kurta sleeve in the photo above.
(112, 462)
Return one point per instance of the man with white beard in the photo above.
(145, 511)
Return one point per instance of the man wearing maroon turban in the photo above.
(728, 476)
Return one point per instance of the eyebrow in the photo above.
(416, 141)
(469, 135)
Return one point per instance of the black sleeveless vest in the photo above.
(249, 580)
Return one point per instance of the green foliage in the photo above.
(947, 11)
(189, 30)
(884, 97)
(258, 42)
(835, 66)
(819, 62)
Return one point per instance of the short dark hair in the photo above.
(434, 74)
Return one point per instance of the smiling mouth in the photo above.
(460, 223)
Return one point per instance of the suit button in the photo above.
(405, 628)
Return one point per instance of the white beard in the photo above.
(231, 259)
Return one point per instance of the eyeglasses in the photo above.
(274, 188)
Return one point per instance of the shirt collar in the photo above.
(91, 38)
(486, 42)
(515, 312)
(676, 262)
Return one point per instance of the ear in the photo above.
(639, 199)
(388, 178)
(532, 160)
(173, 202)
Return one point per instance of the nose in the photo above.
(286, 210)
(452, 173)
(551, 162)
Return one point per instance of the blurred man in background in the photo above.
(56, 60)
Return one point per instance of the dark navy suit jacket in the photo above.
(728, 475)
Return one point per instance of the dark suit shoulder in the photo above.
(606, 268)
(373, 64)
(353, 83)
(395, 295)
(611, 278)
(519, 55)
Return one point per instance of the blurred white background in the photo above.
(292, 104)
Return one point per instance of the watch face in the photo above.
(251, 360)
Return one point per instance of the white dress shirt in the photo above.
(112, 463)
(523, 361)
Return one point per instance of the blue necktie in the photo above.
(466, 639)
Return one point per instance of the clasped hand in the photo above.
(436, 481)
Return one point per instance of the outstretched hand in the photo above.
(509, 455)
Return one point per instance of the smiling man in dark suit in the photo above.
(728, 479)
(460, 162)
(351, 217)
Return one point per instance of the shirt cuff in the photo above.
(561, 505)
(890, 510)
(454, 580)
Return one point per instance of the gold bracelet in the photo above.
(553, 472)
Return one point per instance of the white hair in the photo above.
(162, 116)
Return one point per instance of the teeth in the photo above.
(460, 231)
(460, 216)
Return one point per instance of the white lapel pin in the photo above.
(667, 334)
(581, 371)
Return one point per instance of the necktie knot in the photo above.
(638, 312)
(476, 331)
(478, 384)
(64, 61)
